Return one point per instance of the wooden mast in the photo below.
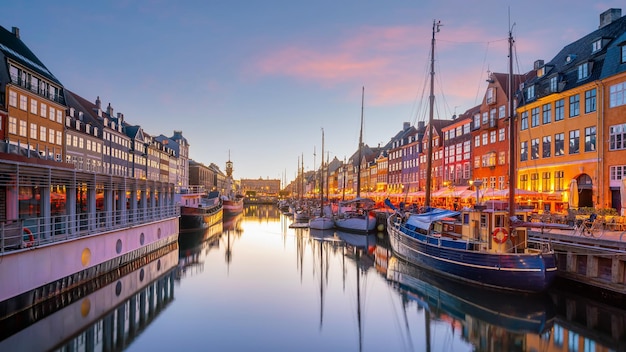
(358, 168)
(429, 156)
(512, 155)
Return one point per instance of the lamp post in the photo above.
(477, 184)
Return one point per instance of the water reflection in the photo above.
(105, 314)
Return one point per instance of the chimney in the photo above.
(110, 110)
(609, 16)
(16, 32)
(406, 125)
(98, 102)
(421, 124)
(538, 64)
(120, 117)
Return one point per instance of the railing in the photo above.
(32, 232)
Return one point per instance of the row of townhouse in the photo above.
(569, 133)
(41, 119)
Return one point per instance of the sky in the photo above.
(257, 81)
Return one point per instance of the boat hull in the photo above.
(321, 223)
(193, 219)
(356, 224)
(525, 272)
(232, 207)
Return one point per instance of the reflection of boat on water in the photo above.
(131, 297)
(358, 240)
(474, 307)
(232, 223)
(194, 246)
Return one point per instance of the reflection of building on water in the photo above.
(262, 212)
(104, 314)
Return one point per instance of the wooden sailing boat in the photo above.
(324, 221)
(480, 246)
(355, 215)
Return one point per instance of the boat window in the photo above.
(483, 220)
(499, 221)
(466, 218)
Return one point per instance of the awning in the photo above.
(423, 221)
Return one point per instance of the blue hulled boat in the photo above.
(469, 246)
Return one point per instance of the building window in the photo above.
(590, 139)
(502, 112)
(43, 133)
(547, 146)
(44, 110)
(523, 150)
(617, 93)
(534, 182)
(524, 121)
(583, 71)
(22, 128)
(502, 158)
(534, 117)
(59, 116)
(534, 149)
(574, 142)
(33, 130)
(51, 136)
(501, 134)
(574, 105)
(523, 181)
(12, 125)
(476, 121)
(617, 172)
(597, 45)
(559, 144)
(485, 138)
(617, 136)
(52, 113)
(547, 113)
(13, 99)
(530, 93)
(545, 181)
(559, 180)
(553, 84)
(492, 137)
(590, 101)
(559, 110)
(33, 106)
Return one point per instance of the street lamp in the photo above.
(476, 184)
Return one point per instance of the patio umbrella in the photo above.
(573, 194)
(622, 195)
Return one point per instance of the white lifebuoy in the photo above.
(500, 235)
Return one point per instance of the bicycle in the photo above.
(591, 227)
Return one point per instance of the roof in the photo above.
(13, 47)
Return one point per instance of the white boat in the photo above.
(232, 201)
(324, 220)
(355, 215)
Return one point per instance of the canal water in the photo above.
(255, 283)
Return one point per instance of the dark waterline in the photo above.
(254, 283)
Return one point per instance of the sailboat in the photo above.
(356, 214)
(324, 221)
(484, 247)
(232, 202)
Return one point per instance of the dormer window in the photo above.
(623, 51)
(530, 93)
(596, 46)
(583, 71)
(553, 84)
(541, 72)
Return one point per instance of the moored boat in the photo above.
(232, 200)
(484, 246)
(198, 209)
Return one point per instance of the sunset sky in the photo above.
(260, 79)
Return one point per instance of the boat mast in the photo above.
(322, 179)
(512, 157)
(429, 155)
(358, 167)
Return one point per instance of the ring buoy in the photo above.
(31, 239)
(500, 235)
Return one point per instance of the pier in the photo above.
(598, 263)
